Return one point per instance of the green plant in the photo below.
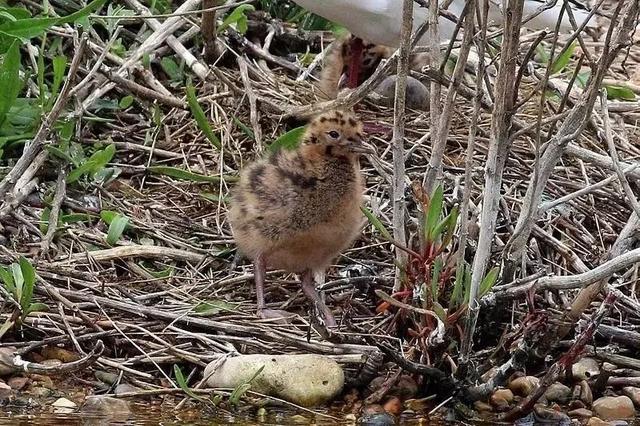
(433, 278)
(19, 281)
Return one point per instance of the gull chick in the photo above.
(298, 209)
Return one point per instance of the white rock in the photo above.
(585, 369)
(64, 406)
(306, 380)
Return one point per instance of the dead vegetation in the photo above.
(130, 244)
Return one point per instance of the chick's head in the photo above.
(338, 133)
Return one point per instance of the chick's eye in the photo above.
(333, 134)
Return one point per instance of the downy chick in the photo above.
(297, 210)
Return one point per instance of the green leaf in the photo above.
(18, 280)
(182, 382)
(457, 294)
(59, 67)
(200, 117)
(60, 154)
(116, 228)
(376, 223)
(93, 164)
(289, 140)
(25, 29)
(44, 220)
(242, 388)
(245, 129)
(582, 78)
(7, 280)
(433, 214)
(126, 102)
(9, 80)
(488, 282)
(440, 312)
(172, 69)
(542, 53)
(213, 307)
(29, 276)
(563, 60)
(619, 92)
(452, 220)
(435, 278)
(8, 324)
(182, 174)
(237, 17)
(36, 307)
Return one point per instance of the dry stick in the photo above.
(497, 155)
(33, 149)
(208, 28)
(146, 93)
(508, 272)
(441, 131)
(145, 251)
(565, 362)
(433, 56)
(161, 33)
(25, 367)
(469, 164)
(568, 282)
(570, 129)
(254, 116)
(608, 135)
(61, 190)
(398, 188)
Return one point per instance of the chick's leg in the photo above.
(355, 62)
(260, 272)
(309, 289)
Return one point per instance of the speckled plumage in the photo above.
(297, 210)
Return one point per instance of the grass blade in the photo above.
(9, 80)
(373, 220)
(182, 174)
(200, 117)
(116, 228)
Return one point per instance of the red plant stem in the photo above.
(565, 361)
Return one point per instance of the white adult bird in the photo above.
(380, 21)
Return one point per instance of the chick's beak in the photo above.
(361, 148)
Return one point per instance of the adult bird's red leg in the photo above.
(355, 62)
(309, 290)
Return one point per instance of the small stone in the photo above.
(417, 93)
(405, 388)
(581, 413)
(42, 379)
(501, 395)
(116, 409)
(125, 388)
(586, 395)
(106, 377)
(6, 360)
(64, 406)
(548, 415)
(18, 382)
(306, 380)
(558, 392)
(299, 419)
(585, 369)
(594, 421)
(5, 390)
(633, 393)
(614, 407)
(40, 392)
(482, 407)
(372, 409)
(53, 352)
(393, 406)
(377, 419)
(420, 404)
(523, 386)
(576, 404)
(607, 366)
